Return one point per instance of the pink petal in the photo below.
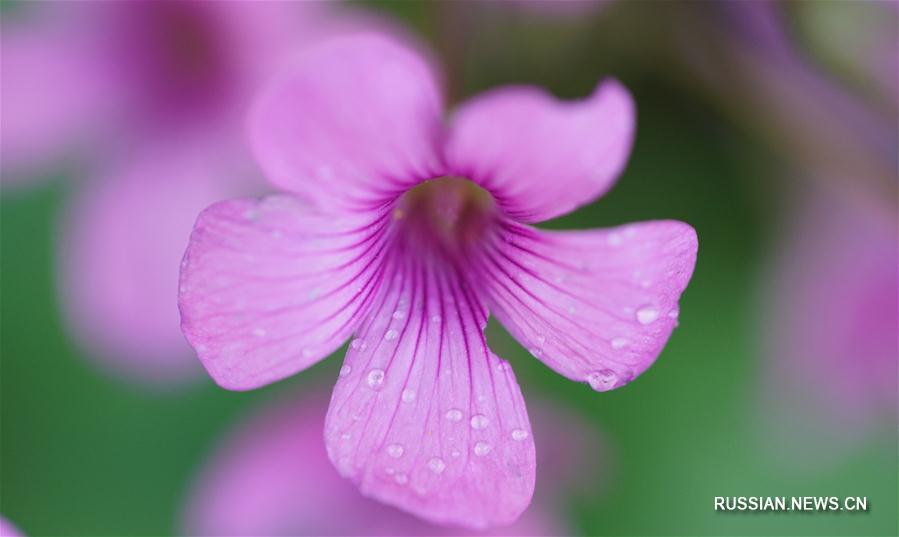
(7, 529)
(357, 120)
(424, 416)
(44, 50)
(596, 306)
(830, 326)
(271, 476)
(269, 287)
(541, 157)
(123, 238)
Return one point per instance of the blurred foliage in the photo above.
(85, 454)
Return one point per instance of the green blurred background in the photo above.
(84, 453)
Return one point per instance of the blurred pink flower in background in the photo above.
(424, 416)
(812, 117)
(7, 529)
(271, 476)
(831, 320)
(152, 96)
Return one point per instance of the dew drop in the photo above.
(345, 370)
(647, 314)
(399, 314)
(391, 335)
(619, 343)
(602, 380)
(674, 313)
(401, 479)
(395, 450)
(436, 318)
(614, 239)
(455, 453)
(482, 448)
(519, 434)
(454, 414)
(437, 465)
(479, 422)
(357, 344)
(541, 339)
(408, 395)
(346, 436)
(375, 378)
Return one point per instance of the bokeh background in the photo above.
(769, 127)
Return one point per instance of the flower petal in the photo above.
(541, 157)
(424, 416)
(45, 49)
(357, 120)
(7, 529)
(596, 306)
(269, 287)
(829, 324)
(123, 237)
(271, 476)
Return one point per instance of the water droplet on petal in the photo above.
(408, 395)
(619, 343)
(614, 239)
(395, 450)
(455, 453)
(357, 344)
(345, 370)
(437, 465)
(401, 479)
(251, 214)
(541, 339)
(399, 314)
(519, 434)
(391, 334)
(346, 436)
(479, 421)
(454, 414)
(436, 318)
(375, 378)
(647, 314)
(602, 380)
(481, 449)
(674, 313)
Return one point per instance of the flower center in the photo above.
(447, 215)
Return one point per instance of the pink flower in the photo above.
(830, 326)
(271, 476)
(154, 105)
(7, 529)
(136, 70)
(404, 235)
